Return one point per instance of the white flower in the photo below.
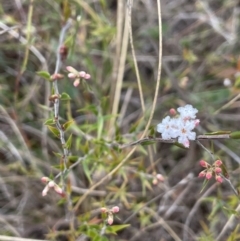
(180, 127)
(187, 112)
(186, 133)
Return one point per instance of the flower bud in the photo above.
(218, 170)
(172, 112)
(45, 190)
(110, 219)
(115, 209)
(103, 210)
(72, 70)
(154, 181)
(209, 175)
(203, 163)
(58, 189)
(197, 121)
(76, 82)
(202, 174)
(219, 179)
(87, 76)
(82, 74)
(72, 76)
(51, 184)
(218, 163)
(160, 177)
(45, 179)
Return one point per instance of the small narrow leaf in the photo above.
(49, 122)
(54, 130)
(115, 228)
(69, 142)
(68, 124)
(100, 126)
(44, 74)
(218, 133)
(204, 185)
(65, 96)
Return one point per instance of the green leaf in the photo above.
(57, 154)
(115, 228)
(69, 142)
(235, 135)
(204, 184)
(218, 133)
(147, 142)
(65, 96)
(100, 126)
(72, 159)
(49, 122)
(224, 171)
(54, 130)
(68, 124)
(44, 74)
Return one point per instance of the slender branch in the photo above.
(158, 139)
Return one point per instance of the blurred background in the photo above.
(200, 66)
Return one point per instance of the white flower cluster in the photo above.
(181, 126)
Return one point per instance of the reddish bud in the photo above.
(172, 112)
(219, 179)
(203, 163)
(202, 174)
(218, 163)
(45, 179)
(197, 121)
(103, 210)
(115, 209)
(56, 76)
(160, 177)
(218, 170)
(76, 82)
(154, 181)
(110, 219)
(209, 175)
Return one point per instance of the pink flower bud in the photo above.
(72, 70)
(218, 170)
(51, 184)
(172, 112)
(154, 181)
(87, 76)
(58, 189)
(110, 219)
(45, 190)
(72, 76)
(203, 163)
(197, 121)
(202, 174)
(218, 163)
(82, 74)
(45, 179)
(219, 179)
(115, 209)
(103, 210)
(209, 175)
(76, 82)
(160, 177)
(186, 143)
